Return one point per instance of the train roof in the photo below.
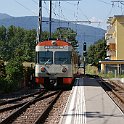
(54, 43)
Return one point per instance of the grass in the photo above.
(94, 71)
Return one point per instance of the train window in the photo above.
(45, 57)
(62, 57)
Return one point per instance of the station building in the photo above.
(114, 62)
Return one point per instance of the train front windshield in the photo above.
(62, 57)
(45, 57)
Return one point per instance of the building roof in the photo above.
(111, 20)
(112, 62)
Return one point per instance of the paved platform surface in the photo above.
(89, 104)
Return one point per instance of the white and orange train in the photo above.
(56, 63)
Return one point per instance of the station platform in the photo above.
(89, 104)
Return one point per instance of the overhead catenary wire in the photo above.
(111, 3)
(77, 13)
(74, 4)
(44, 3)
(104, 2)
(59, 14)
(62, 16)
(47, 9)
(82, 13)
(108, 15)
(35, 1)
(25, 7)
(79, 9)
(112, 9)
(122, 4)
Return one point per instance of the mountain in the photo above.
(4, 16)
(84, 33)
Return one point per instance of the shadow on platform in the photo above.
(100, 115)
(93, 115)
(86, 81)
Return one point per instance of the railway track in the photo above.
(33, 111)
(8, 108)
(115, 90)
(4, 102)
(118, 89)
(17, 102)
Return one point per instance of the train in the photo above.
(56, 63)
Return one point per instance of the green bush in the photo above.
(14, 72)
(107, 75)
(2, 82)
(4, 86)
(91, 70)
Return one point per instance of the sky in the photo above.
(96, 11)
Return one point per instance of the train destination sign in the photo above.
(53, 47)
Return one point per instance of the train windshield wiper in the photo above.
(63, 62)
(48, 61)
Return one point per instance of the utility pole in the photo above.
(40, 21)
(50, 19)
(39, 37)
(84, 55)
(117, 1)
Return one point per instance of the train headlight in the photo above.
(43, 69)
(64, 70)
(54, 43)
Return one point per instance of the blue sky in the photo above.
(84, 10)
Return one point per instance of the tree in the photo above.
(14, 74)
(28, 46)
(2, 33)
(66, 34)
(45, 35)
(16, 41)
(16, 46)
(96, 52)
(3, 43)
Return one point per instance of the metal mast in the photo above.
(117, 1)
(50, 19)
(40, 21)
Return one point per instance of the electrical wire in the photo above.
(77, 14)
(104, 2)
(60, 14)
(25, 7)
(47, 10)
(35, 1)
(79, 10)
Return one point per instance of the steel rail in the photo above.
(18, 104)
(46, 111)
(113, 91)
(19, 98)
(14, 115)
(122, 87)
